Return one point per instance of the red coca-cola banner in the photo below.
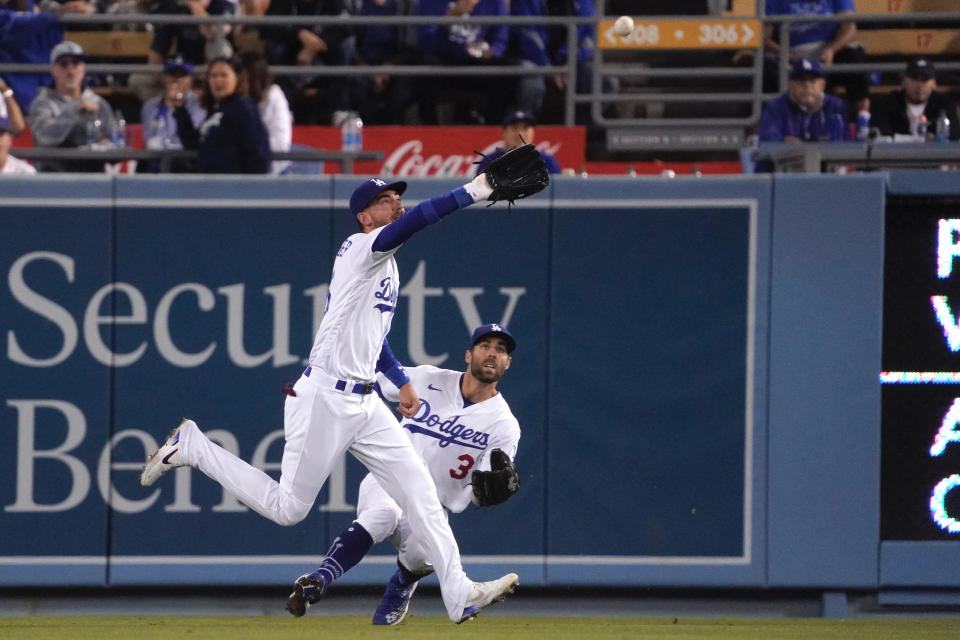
(440, 151)
(449, 151)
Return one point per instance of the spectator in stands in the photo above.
(232, 139)
(519, 128)
(69, 114)
(464, 44)
(197, 44)
(8, 164)
(256, 81)
(900, 110)
(383, 98)
(67, 6)
(26, 38)
(828, 42)
(122, 7)
(10, 109)
(159, 124)
(540, 46)
(306, 46)
(803, 113)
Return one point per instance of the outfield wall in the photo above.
(696, 375)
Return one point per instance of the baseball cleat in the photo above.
(165, 458)
(396, 601)
(486, 593)
(307, 590)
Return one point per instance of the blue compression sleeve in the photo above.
(388, 365)
(425, 213)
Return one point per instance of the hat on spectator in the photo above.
(67, 48)
(366, 192)
(5, 125)
(177, 63)
(806, 67)
(517, 116)
(493, 329)
(920, 69)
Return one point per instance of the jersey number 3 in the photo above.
(461, 472)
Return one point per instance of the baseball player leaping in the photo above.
(334, 409)
(467, 437)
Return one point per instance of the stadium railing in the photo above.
(717, 85)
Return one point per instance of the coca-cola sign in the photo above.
(440, 151)
(415, 151)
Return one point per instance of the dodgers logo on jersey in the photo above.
(210, 123)
(388, 293)
(449, 431)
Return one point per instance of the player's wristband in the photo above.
(397, 375)
(478, 188)
(7, 93)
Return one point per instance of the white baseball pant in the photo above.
(320, 424)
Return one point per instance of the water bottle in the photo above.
(351, 132)
(943, 127)
(119, 138)
(159, 133)
(922, 128)
(94, 131)
(863, 125)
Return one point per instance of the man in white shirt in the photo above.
(900, 111)
(8, 164)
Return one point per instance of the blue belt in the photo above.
(362, 388)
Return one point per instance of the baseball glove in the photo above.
(517, 174)
(498, 484)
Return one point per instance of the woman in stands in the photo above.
(233, 138)
(256, 81)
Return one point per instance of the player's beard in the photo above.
(484, 375)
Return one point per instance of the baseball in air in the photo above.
(623, 26)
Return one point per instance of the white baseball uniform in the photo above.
(330, 415)
(454, 438)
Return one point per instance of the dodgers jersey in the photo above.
(360, 304)
(454, 440)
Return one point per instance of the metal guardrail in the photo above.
(718, 132)
(344, 158)
(569, 69)
(724, 132)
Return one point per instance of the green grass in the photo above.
(504, 628)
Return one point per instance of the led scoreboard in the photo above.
(920, 377)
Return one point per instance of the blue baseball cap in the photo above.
(177, 63)
(806, 67)
(517, 116)
(366, 192)
(499, 330)
(920, 69)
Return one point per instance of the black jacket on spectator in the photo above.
(183, 39)
(231, 140)
(889, 114)
(286, 37)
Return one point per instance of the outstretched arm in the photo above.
(429, 212)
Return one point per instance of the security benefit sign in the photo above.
(920, 490)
